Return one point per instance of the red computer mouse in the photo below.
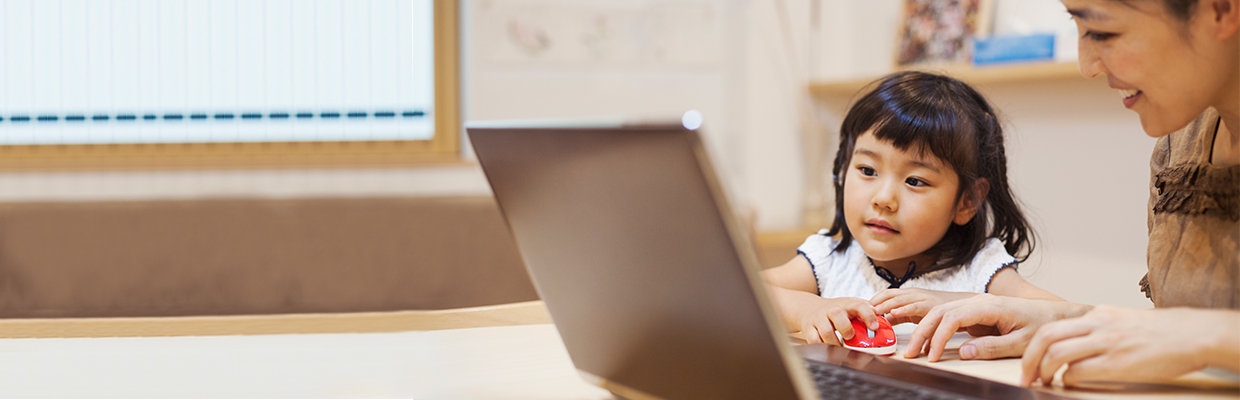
(881, 342)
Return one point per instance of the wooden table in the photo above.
(487, 362)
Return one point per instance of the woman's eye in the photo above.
(914, 182)
(867, 171)
(1098, 36)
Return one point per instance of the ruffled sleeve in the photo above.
(987, 263)
(819, 250)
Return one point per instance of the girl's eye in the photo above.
(867, 171)
(914, 182)
(1098, 36)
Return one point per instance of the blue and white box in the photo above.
(1013, 48)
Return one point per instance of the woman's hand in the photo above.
(1132, 345)
(910, 305)
(821, 319)
(1003, 326)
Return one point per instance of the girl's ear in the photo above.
(971, 201)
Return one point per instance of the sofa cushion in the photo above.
(255, 256)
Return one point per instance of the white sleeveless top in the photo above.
(851, 273)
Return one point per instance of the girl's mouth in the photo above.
(1130, 96)
(880, 226)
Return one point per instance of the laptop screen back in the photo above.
(629, 243)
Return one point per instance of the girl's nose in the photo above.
(885, 198)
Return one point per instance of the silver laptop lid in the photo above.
(629, 240)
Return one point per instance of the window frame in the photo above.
(442, 148)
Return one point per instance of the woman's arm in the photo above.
(910, 305)
(1008, 282)
(1223, 349)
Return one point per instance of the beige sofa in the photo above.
(255, 256)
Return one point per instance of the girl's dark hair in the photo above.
(946, 117)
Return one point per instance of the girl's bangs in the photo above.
(920, 128)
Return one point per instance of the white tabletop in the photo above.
(459, 363)
(498, 362)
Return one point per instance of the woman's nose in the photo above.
(1088, 60)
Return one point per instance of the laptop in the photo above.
(650, 280)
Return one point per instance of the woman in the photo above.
(1177, 64)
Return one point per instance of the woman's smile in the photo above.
(1130, 96)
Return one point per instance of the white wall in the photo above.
(1079, 162)
(740, 77)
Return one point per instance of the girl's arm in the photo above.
(1008, 282)
(791, 285)
(794, 290)
(796, 274)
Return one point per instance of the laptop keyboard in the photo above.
(842, 383)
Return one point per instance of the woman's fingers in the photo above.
(1069, 351)
(1050, 334)
(992, 347)
(925, 329)
(982, 312)
(1096, 368)
(978, 331)
(947, 328)
(895, 320)
(943, 321)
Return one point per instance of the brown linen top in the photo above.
(1194, 222)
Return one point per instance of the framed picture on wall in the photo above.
(938, 32)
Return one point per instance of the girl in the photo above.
(923, 214)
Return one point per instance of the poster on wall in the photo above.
(659, 35)
(938, 32)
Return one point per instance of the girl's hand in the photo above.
(910, 305)
(820, 320)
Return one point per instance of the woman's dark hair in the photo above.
(946, 117)
(1180, 9)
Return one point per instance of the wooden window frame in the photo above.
(443, 148)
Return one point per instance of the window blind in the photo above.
(203, 71)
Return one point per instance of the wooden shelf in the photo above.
(1011, 73)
